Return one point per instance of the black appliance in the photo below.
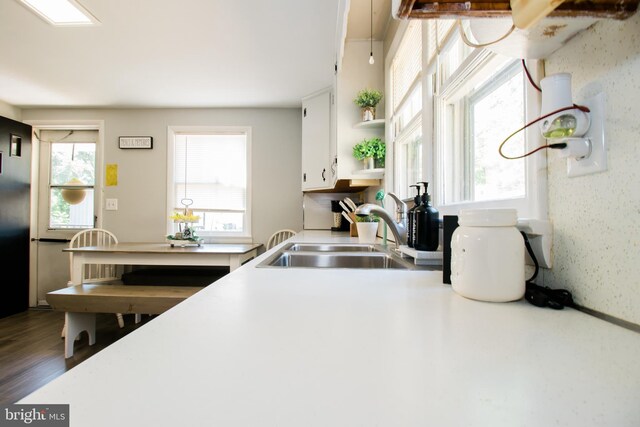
(15, 178)
(449, 225)
(336, 210)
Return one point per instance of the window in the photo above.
(72, 177)
(492, 111)
(210, 168)
(406, 120)
(480, 98)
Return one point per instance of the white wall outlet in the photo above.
(596, 161)
(112, 205)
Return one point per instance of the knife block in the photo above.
(353, 230)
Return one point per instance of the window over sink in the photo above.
(448, 122)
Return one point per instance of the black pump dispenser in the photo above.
(411, 218)
(418, 213)
(427, 224)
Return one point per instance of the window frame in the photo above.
(534, 203)
(210, 236)
(40, 230)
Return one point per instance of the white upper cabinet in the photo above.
(316, 141)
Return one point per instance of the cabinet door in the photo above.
(316, 141)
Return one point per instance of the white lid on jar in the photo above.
(488, 217)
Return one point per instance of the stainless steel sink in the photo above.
(318, 255)
(328, 260)
(319, 247)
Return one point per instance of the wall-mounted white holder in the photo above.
(540, 235)
(591, 156)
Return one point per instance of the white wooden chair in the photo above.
(279, 237)
(95, 273)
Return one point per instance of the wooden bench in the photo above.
(81, 302)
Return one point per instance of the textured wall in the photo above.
(597, 217)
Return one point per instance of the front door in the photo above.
(65, 199)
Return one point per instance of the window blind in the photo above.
(439, 31)
(212, 171)
(407, 63)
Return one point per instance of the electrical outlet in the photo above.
(596, 161)
(112, 204)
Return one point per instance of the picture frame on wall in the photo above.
(15, 147)
(135, 142)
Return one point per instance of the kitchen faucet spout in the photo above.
(398, 226)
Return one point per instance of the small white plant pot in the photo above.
(367, 231)
(368, 114)
(368, 163)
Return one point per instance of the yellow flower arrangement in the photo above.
(188, 216)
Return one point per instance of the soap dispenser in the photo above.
(411, 218)
(427, 224)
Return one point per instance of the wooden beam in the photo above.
(429, 9)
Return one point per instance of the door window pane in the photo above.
(73, 161)
(65, 215)
(71, 185)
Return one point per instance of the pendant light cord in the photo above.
(371, 29)
(185, 199)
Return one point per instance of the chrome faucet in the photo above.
(398, 226)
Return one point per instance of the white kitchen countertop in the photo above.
(327, 347)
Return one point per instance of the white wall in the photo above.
(597, 217)
(356, 74)
(141, 189)
(10, 112)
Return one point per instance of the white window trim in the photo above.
(534, 204)
(210, 237)
(400, 142)
(98, 189)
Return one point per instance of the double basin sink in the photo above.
(317, 255)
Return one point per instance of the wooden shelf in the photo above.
(370, 124)
(346, 186)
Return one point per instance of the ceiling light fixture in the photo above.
(61, 12)
(371, 60)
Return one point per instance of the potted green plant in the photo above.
(367, 100)
(379, 150)
(371, 151)
(367, 226)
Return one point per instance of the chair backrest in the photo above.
(279, 237)
(94, 237)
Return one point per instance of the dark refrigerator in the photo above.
(15, 177)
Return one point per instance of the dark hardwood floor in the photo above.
(32, 351)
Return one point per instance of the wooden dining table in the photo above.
(217, 254)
